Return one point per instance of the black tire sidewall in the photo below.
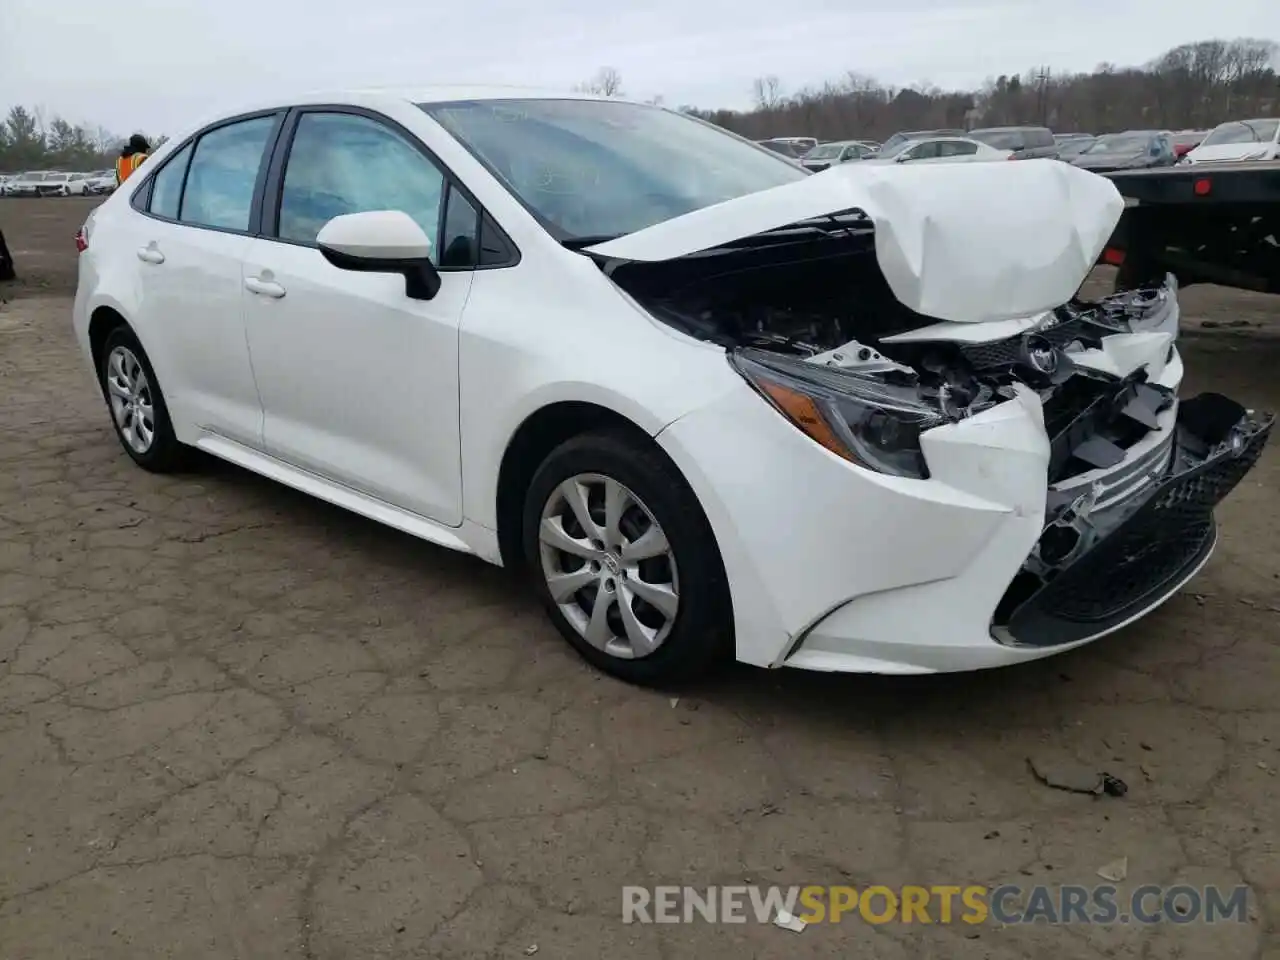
(165, 452)
(702, 636)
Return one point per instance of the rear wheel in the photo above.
(625, 561)
(136, 404)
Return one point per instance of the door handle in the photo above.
(150, 254)
(264, 288)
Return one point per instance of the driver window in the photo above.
(343, 163)
(956, 148)
(926, 151)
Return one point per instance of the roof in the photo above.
(1016, 126)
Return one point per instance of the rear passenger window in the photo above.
(166, 191)
(224, 171)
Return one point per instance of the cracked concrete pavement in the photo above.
(237, 722)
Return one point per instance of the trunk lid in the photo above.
(969, 243)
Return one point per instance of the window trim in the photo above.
(273, 194)
(140, 199)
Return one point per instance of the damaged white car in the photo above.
(714, 405)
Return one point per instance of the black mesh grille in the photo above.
(1003, 352)
(1128, 569)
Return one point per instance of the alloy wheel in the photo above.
(129, 393)
(609, 566)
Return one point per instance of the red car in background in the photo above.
(1186, 141)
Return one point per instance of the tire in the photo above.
(125, 369)
(677, 648)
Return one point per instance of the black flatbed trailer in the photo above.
(1204, 224)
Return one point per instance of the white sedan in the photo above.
(711, 404)
(940, 150)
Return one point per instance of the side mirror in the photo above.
(901, 158)
(382, 241)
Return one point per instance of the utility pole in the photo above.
(1042, 94)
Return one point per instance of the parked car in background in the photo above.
(939, 150)
(101, 182)
(25, 184)
(1184, 141)
(55, 184)
(786, 148)
(840, 151)
(4, 184)
(1072, 147)
(78, 184)
(1237, 141)
(899, 138)
(1131, 150)
(1024, 143)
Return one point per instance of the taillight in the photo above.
(82, 240)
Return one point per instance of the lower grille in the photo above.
(1129, 568)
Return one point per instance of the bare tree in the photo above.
(767, 92)
(607, 82)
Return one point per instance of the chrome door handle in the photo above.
(264, 288)
(150, 255)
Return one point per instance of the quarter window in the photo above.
(345, 163)
(224, 171)
(460, 239)
(166, 190)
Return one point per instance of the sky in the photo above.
(156, 65)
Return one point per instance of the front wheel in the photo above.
(625, 561)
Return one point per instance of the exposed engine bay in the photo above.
(816, 296)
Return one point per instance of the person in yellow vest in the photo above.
(131, 157)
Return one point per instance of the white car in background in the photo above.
(27, 184)
(939, 150)
(709, 403)
(77, 184)
(102, 182)
(1238, 141)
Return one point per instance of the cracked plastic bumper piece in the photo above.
(1115, 564)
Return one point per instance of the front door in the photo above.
(359, 383)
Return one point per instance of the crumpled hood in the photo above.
(968, 242)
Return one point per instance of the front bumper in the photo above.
(1113, 565)
(989, 562)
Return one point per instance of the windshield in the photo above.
(599, 168)
(1242, 131)
(1120, 143)
(824, 152)
(57, 177)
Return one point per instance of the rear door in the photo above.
(199, 213)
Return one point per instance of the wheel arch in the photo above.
(538, 434)
(102, 321)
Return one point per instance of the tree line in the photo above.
(31, 141)
(1193, 86)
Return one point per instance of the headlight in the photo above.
(864, 418)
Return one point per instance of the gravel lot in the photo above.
(237, 722)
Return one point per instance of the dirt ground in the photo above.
(238, 722)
